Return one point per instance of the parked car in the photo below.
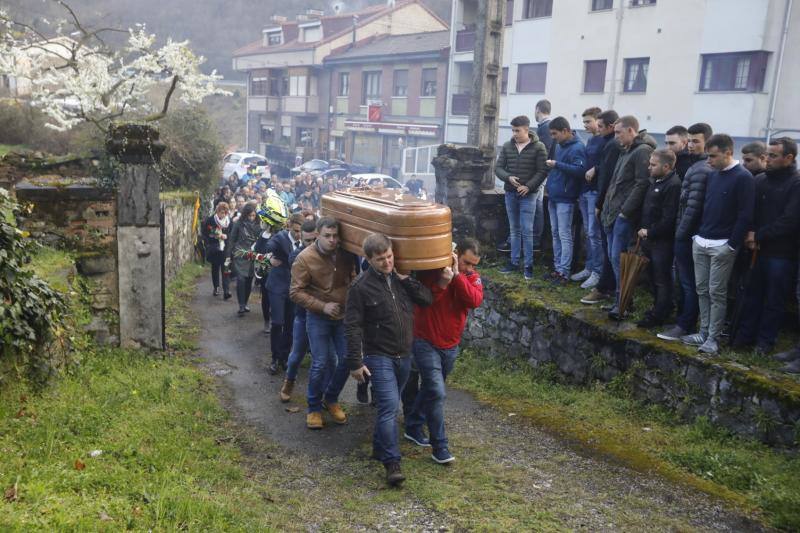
(377, 180)
(334, 173)
(236, 163)
(311, 166)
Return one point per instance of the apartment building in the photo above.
(288, 91)
(388, 94)
(667, 62)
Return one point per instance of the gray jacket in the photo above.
(630, 182)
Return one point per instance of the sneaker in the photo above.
(442, 456)
(709, 347)
(314, 420)
(594, 297)
(417, 436)
(591, 282)
(649, 321)
(362, 393)
(528, 273)
(613, 313)
(227, 296)
(510, 268)
(789, 355)
(286, 390)
(695, 339)
(336, 412)
(393, 474)
(559, 280)
(246, 309)
(504, 247)
(240, 312)
(216, 291)
(273, 368)
(672, 334)
(581, 276)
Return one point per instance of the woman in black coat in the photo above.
(244, 234)
(216, 231)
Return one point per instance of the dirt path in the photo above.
(508, 475)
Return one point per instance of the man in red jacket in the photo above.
(437, 334)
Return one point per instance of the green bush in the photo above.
(192, 158)
(21, 124)
(31, 331)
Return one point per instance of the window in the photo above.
(258, 86)
(298, 86)
(266, 134)
(285, 86)
(531, 77)
(274, 39)
(371, 88)
(504, 81)
(312, 35)
(594, 77)
(535, 9)
(274, 86)
(640, 3)
(286, 134)
(344, 84)
(740, 71)
(428, 82)
(636, 74)
(509, 12)
(304, 136)
(602, 5)
(400, 87)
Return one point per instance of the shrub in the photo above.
(194, 151)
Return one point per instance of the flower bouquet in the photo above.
(261, 261)
(220, 236)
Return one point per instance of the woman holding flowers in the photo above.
(216, 230)
(244, 234)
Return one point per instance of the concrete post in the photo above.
(141, 282)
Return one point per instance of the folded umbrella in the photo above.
(631, 264)
(741, 290)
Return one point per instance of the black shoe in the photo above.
(393, 474)
(789, 355)
(227, 296)
(273, 368)
(216, 291)
(504, 247)
(362, 393)
(241, 311)
(649, 321)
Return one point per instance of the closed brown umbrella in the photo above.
(631, 263)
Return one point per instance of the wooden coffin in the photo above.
(421, 231)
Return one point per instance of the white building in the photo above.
(667, 62)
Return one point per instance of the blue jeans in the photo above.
(299, 347)
(434, 364)
(538, 220)
(765, 301)
(520, 211)
(388, 377)
(561, 227)
(594, 242)
(619, 235)
(328, 372)
(684, 264)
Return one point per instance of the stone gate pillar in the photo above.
(141, 282)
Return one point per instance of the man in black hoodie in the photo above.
(774, 235)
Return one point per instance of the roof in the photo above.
(395, 45)
(333, 26)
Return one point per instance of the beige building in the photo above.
(666, 61)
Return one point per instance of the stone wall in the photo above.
(746, 401)
(179, 238)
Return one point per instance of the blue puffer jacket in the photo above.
(566, 179)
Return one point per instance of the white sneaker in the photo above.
(591, 282)
(580, 276)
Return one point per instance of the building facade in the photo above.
(388, 94)
(667, 62)
(288, 90)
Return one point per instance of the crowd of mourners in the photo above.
(706, 221)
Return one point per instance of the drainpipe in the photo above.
(448, 95)
(773, 103)
(615, 61)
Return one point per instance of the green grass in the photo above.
(5, 148)
(602, 419)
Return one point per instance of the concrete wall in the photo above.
(179, 237)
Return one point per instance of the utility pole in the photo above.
(484, 106)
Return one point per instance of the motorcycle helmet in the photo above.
(273, 211)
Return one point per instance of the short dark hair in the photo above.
(665, 157)
(467, 244)
(543, 106)
(327, 222)
(720, 141)
(297, 218)
(592, 112)
(756, 148)
(376, 243)
(609, 117)
(309, 226)
(248, 208)
(678, 130)
(701, 128)
(559, 124)
(521, 120)
(628, 121)
(788, 144)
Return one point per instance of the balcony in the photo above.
(465, 41)
(459, 105)
(302, 105)
(264, 104)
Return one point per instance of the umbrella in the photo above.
(631, 263)
(741, 289)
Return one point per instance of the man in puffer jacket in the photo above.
(521, 166)
(622, 207)
(690, 210)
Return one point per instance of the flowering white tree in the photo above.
(76, 76)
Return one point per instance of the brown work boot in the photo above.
(314, 420)
(394, 476)
(286, 390)
(336, 412)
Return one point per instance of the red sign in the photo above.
(374, 113)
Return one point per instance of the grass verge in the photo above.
(747, 473)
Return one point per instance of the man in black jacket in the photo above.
(521, 166)
(658, 232)
(379, 331)
(776, 221)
